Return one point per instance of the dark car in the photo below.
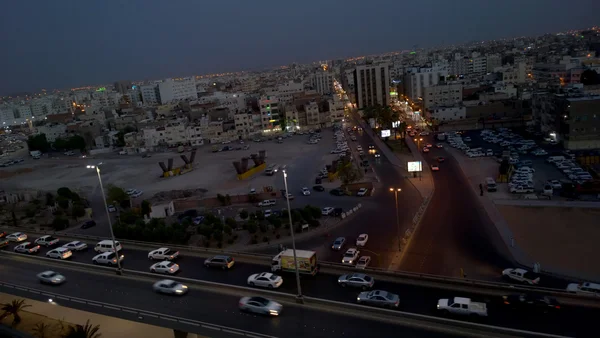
(337, 192)
(145, 155)
(338, 211)
(318, 180)
(88, 224)
(528, 302)
(223, 262)
(318, 188)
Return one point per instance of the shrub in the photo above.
(314, 223)
(206, 244)
(263, 228)
(259, 215)
(244, 214)
(60, 223)
(220, 245)
(230, 241)
(254, 241)
(252, 226)
(30, 212)
(231, 223)
(266, 239)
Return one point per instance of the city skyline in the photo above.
(158, 41)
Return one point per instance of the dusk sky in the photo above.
(66, 43)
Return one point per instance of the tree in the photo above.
(14, 309)
(38, 142)
(60, 144)
(49, 199)
(60, 223)
(117, 194)
(63, 202)
(78, 211)
(40, 330)
(83, 331)
(230, 222)
(244, 214)
(64, 192)
(146, 209)
(76, 142)
(347, 172)
(590, 77)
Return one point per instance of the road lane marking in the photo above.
(63, 298)
(211, 327)
(94, 304)
(111, 307)
(78, 301)
(167, 318)
(189, 323)
(149, 315)
(20, 288)
(234, 332)
(125, 310)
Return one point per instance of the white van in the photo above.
(553, 159)
(584, 288)
(107, 246)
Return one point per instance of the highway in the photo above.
(414, 298)
(377, 217)
(214, 308)
(455, 232)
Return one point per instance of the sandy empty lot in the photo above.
(212, 171)
(565, 238)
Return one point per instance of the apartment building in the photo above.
(150, 94)
(322, 81)
(285, 92)
(416, 79)
(247, 124)
(171, 90)
(52, 131)
(444, 114)
(372, 85)
(446, 94)
(493, 61)
(269, 112)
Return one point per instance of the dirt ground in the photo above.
(212, 171)
(565, 238)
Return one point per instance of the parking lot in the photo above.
(538, 168)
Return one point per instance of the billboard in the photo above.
(415, 166)
(386, 133)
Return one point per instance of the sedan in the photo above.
(425, 150)
(439, 145)
(111, 208)
(170, 287)
(318, 188)
(260, 305)
(60, 253)
(363, 262)
(362, 192)
(326, 211)
(305, 191)
(435, 167)
(51, 277)
(338, 244)
(528, 302)
(357, 280)
(17, 237)
(165, 267)
(76, 246)
(266, 280)
(350, 256)
(378, 298)
(362, 240)
(429, 145)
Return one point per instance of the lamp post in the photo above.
(299, 298)
(112, 235)
(396, 191)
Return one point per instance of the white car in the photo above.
(425, 150)
(268, 213)
(130, 191)
(305, 191)
(137, 194)
(350, 256)
(27, 247)
(362, 240)
(17, 237)
(326, 211)
(46, 240)
(51, 277)
(111, 208)
(165, 267)
(363, 262)
(170, 287)
(76, 246)
(107, 258)
(164, 254)
(555, 184)
(60, 253)
(362, 192)
(266, 280)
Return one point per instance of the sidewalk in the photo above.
(109, 326)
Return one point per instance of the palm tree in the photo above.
(83, 331)
(13, 309)
(40, 330)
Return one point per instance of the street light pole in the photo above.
(396, 191)
(112, 235)
(299, 298)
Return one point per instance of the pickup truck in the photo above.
(520, 189)
(163, 254)
(521, 275)
(46, 240)
(462, 306)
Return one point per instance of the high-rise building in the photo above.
(122, 86)
(416, 79)
(372, 85)
(171, 90)
(322, 81)
(269, 112)
(150, 94)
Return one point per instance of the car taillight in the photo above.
(557, 307)
(507, 303)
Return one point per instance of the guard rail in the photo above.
(442, 282)
(444, 324)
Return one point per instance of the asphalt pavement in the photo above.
(414, 298)
(218, 309)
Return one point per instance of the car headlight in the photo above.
(274, 312)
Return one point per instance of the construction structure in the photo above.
(241, 167)
(188, 165)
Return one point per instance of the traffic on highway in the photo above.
(353, 287)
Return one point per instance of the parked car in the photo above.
(362, 192)
(318, 188)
